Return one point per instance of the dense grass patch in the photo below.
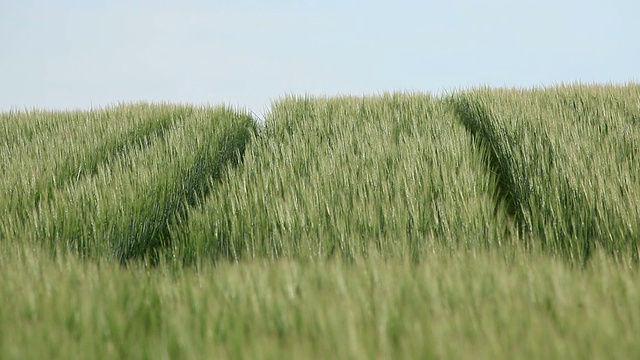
(44, 151)
(393, 174)
(567, 159)
(463, 305)
(135, 175)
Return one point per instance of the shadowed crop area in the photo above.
(393, 174)
(108, 183)
(568, 163)
(485, 224)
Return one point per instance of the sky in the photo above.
(68, 54)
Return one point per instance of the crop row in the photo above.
(134, 176)
(405, 173)
(568, 163)
(395, 174)
(44, 151)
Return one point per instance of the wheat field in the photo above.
(486, 223)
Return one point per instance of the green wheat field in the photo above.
(481, 224)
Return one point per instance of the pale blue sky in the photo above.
(81, 53)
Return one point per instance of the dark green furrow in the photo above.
(148, 229)
(344, 177)
(123, 209)
(73, 165)
(566, 160)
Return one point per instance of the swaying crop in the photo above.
(568, 162)
(114, 191)
(45, 151)
(450, 306)
(391, 226)
(392, 174)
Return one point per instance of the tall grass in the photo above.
(391, 174)
(460, 306)
(44, 151)
(121, 207)
(568, 162)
